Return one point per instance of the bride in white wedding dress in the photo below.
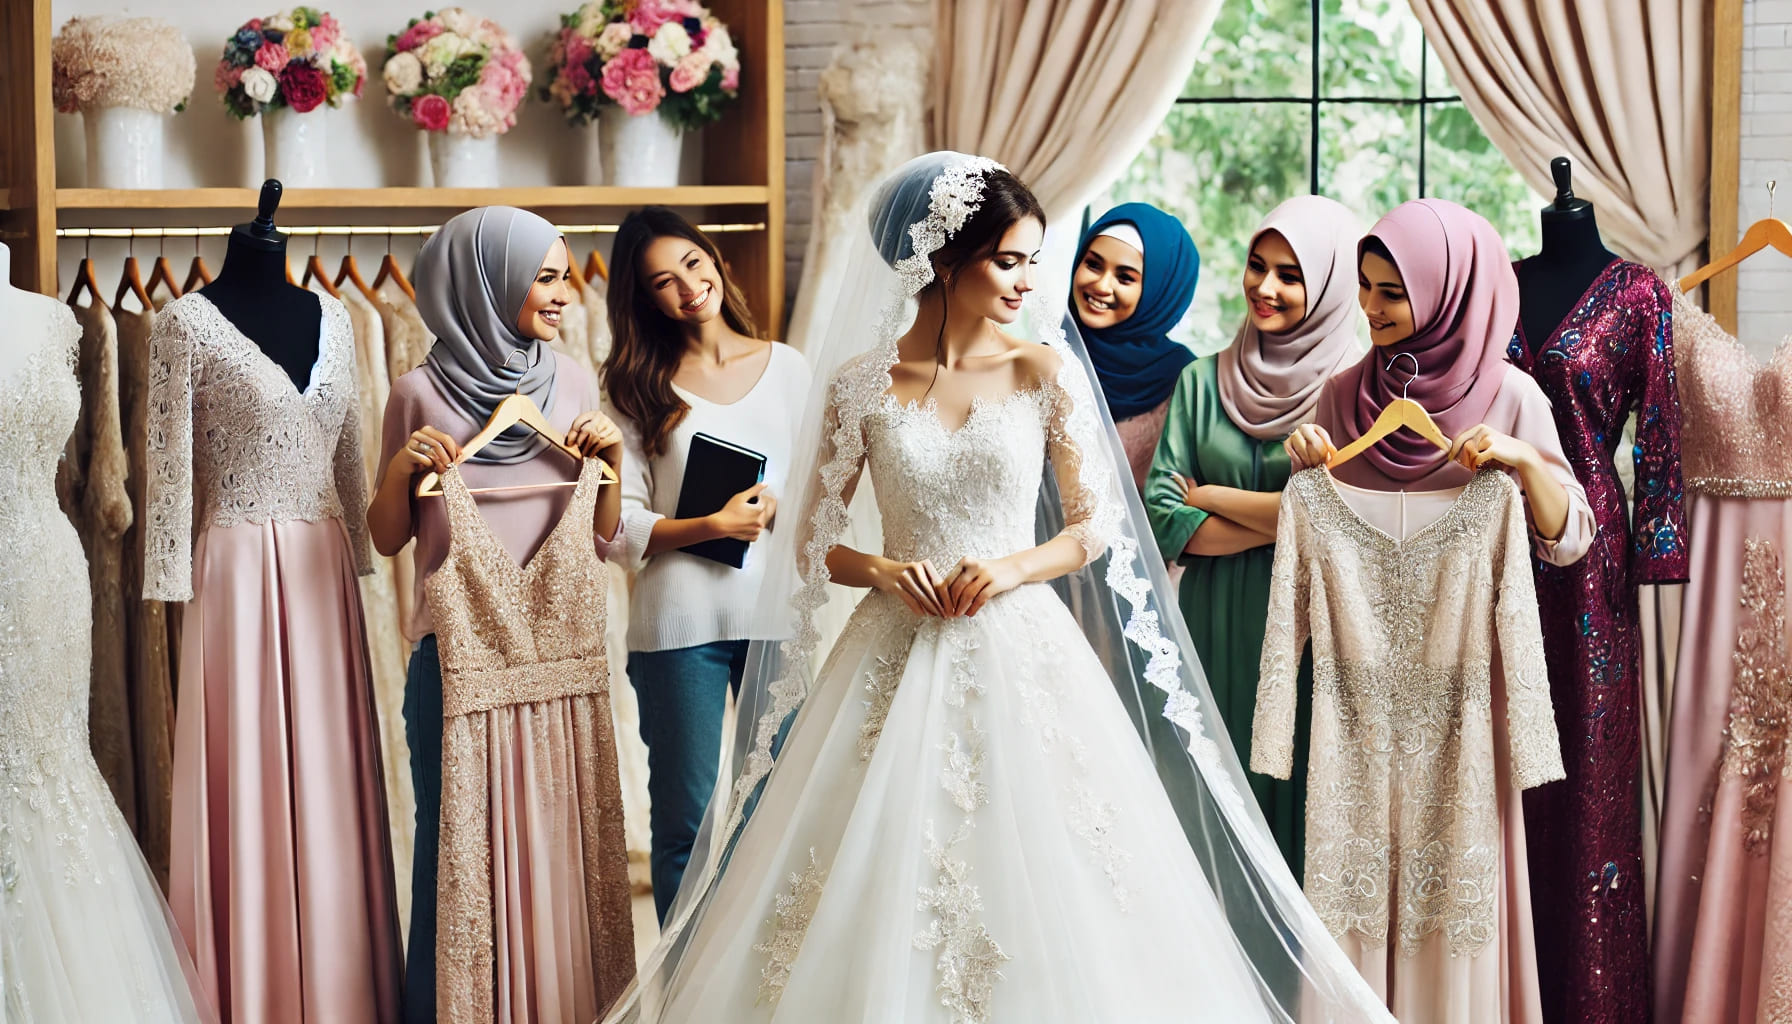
(972, 817)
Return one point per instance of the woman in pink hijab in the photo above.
(1438, 290)
(1436, 283)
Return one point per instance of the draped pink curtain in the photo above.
(1618, 86)
(1064, 92)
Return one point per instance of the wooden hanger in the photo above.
(198, 275)
(132, 283)
(351, 272)
(390, 271)
(1768, 232)
(162, 273)
(595, 270)
(1401, 412)
(289, 278)
(86, 279)
(314, 271)
(518, 408)
(572, 270)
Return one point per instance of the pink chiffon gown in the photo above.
(281, 874)
(1723, 924)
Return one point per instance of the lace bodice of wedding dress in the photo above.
(83, 932)
(1736, 409)
(232, 442)
(43, 573)
(973, 492)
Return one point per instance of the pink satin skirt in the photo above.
(281, 876)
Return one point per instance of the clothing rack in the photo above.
(338, 230)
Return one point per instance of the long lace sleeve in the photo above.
(1079, 460)
(351, 489)
(1284, 640)
(168, 440)
(1173, 520)
(1658, 551)
(1531, 721)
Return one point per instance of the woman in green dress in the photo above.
(1215, 483)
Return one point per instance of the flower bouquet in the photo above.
(622, 60)
(460, 78)
(125, 77)
(282, 66)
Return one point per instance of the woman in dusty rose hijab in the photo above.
(1436, 284)
(1215, 484)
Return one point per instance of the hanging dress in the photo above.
(1723, 909)
(533, 916)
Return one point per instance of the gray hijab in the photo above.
(472, 278)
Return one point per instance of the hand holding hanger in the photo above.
(1481, 444)
(597, 436)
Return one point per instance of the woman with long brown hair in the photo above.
(686, 360)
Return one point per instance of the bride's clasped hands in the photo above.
(964, 590)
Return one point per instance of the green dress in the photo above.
(1225, 599)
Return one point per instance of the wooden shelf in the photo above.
(5, 198)
(554, 197)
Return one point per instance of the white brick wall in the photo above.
(812, 30)
(1764, 290)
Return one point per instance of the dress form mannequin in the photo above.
(253, 293)
(1551, 282)
(26, 314)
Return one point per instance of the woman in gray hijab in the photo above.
(492, 285)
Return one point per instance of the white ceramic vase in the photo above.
(462, 161)
(124, 147)
(297, 147)
(639, 152)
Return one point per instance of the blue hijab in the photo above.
(1135, 359)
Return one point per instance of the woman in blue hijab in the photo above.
(1134, 280)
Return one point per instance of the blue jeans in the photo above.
(682, 695)
(423, 731)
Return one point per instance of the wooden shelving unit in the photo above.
(743, 170)
(95, 200)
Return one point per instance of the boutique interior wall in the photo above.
(371, 147)
(1764, 287)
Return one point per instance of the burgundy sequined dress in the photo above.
(1612, 355)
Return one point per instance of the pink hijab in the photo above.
(1269, 384)
(1464, 298)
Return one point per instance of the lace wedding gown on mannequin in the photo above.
(962, 824)
(84, 935)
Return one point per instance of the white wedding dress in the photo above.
(963, 825)
(84, 934)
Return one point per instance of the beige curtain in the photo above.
(1618, 86)
(1064, 92)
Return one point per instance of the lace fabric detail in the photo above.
(230, 441)
(968, 959)
(1403, 820)
(790, 923)
(1736, 409)
(513, 635)
(880, 688)
(1760, 722)
(54, 807)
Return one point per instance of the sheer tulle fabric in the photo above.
(1131, 638)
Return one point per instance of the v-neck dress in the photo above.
(533, 915)
(255, 515)
(1610, 356)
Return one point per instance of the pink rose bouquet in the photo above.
(456, 72)
(645, 56)
(297, 58)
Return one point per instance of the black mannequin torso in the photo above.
(253, 293)
(1573, 256)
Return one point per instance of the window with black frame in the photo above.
(1339, 97)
